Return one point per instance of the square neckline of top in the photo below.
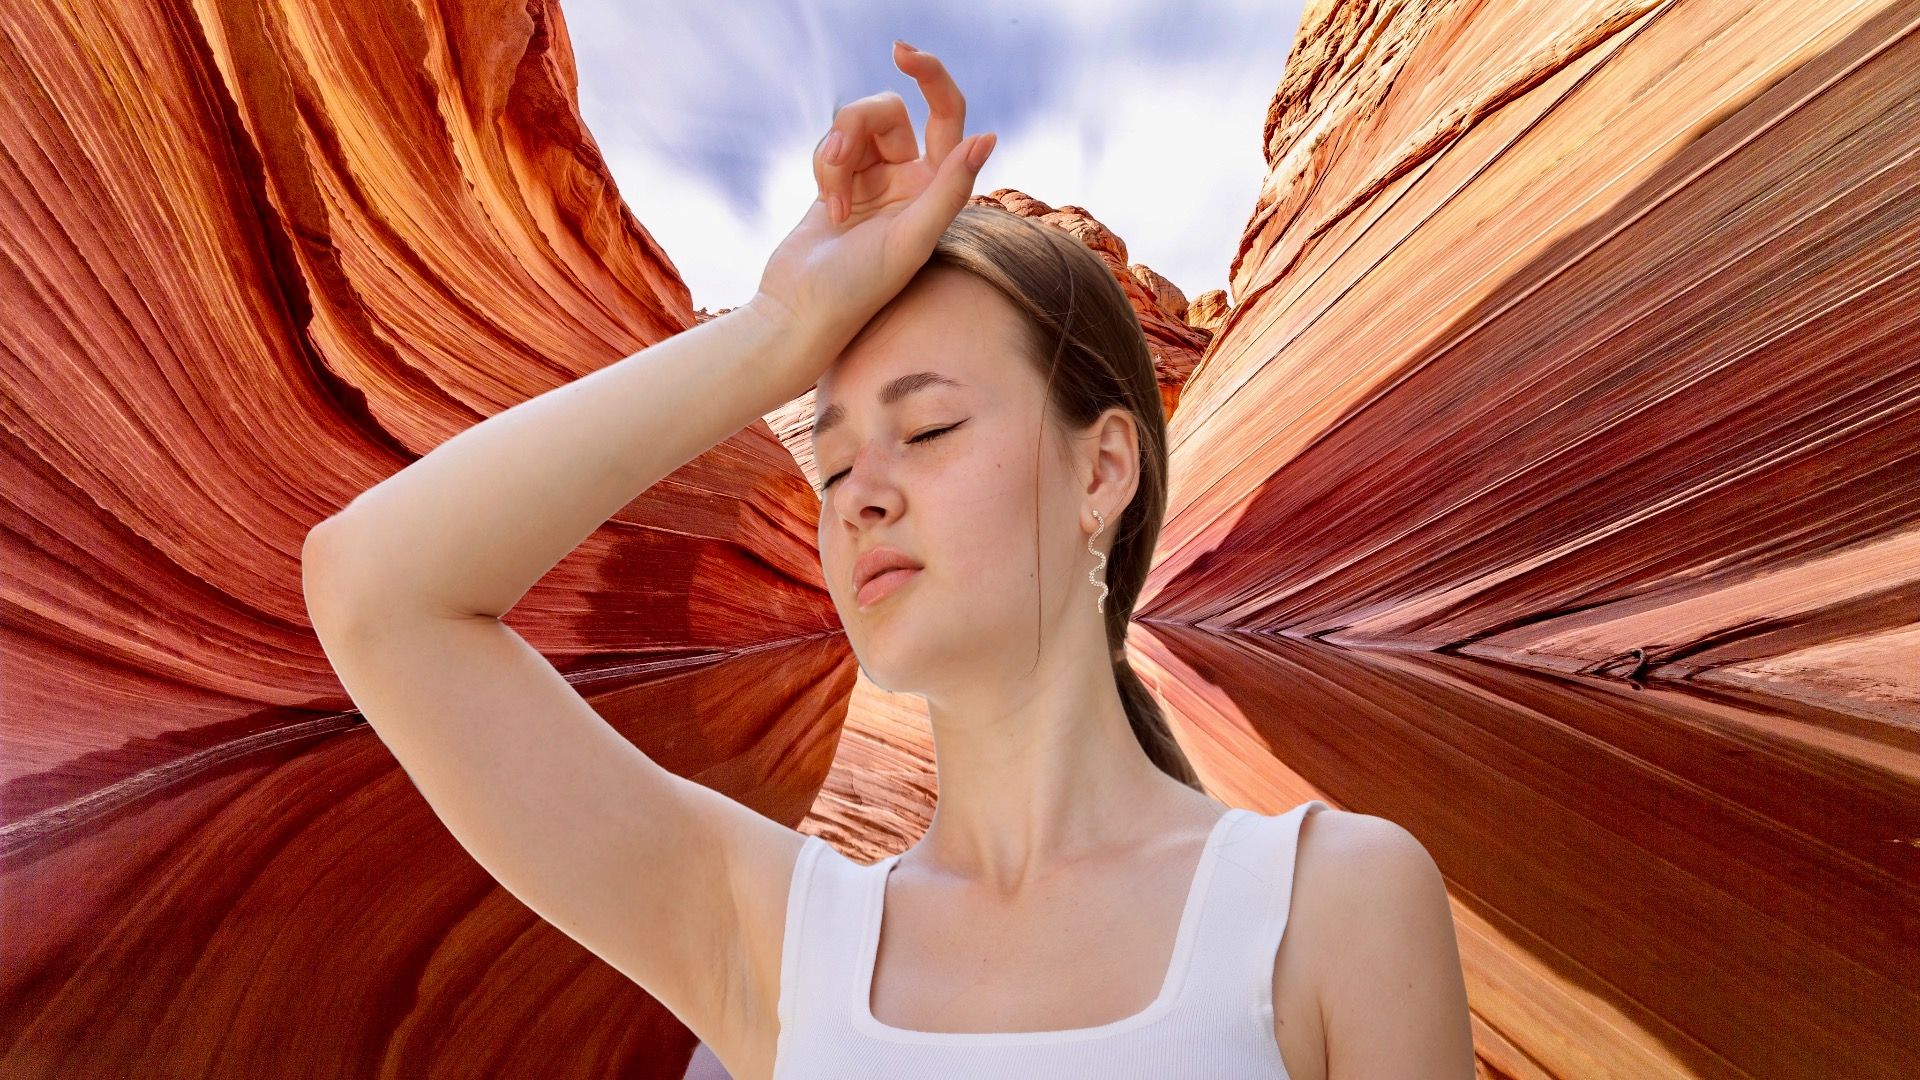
(1170, 983)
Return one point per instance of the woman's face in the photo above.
(927, 440)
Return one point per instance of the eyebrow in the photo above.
(889, 394)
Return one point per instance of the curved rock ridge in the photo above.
(256, 258)
(1558, 457)
(1511, 384)
(386, 268)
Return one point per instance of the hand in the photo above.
(881, 209)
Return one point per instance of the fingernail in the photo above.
(897, 41)
(833, 147)
(977, 156)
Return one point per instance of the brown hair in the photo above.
(1083, 333)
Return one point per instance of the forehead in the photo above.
(949, 332)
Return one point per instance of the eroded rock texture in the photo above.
(1547, 486)
(1566, 431)
(257, 258)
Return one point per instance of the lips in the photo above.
(879, 561)
(883, 584)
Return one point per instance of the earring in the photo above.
(1093, 575)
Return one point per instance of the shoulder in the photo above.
(1350, 852)
(1387, 972)
(1358, 874)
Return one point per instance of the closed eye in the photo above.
(925, 436)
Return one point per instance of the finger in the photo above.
(929, 214)
(850, 146)
(946, 106)
(872, 129)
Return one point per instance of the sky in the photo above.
(1146, 113)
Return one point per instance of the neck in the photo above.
(1048, 773)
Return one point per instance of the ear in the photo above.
(1110, 464)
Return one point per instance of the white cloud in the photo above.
(1167, 157)
(709, 128)
(718, 249)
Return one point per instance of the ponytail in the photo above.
(1149, 724)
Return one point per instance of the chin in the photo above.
(881, 669)
(891, 660)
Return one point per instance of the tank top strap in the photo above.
(1245, 914)
(819, 953)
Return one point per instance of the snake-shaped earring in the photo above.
(1094, 575)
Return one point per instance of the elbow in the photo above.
(322, 576)
(343, 579)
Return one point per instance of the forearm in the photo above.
(469, 528)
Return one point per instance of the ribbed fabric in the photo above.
(1213, 1018)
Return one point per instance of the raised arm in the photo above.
(678, 886)
(657, 875)
(467, 529)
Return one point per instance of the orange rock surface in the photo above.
(1545, 482)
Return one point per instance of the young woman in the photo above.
(993, 468)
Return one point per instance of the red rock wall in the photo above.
(257, 258)
(1577, 350)
(1553, 488)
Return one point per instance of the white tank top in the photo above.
(1214, 1015)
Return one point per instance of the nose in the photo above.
(866, 495)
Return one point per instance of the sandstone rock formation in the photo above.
(1551, 490)
(257, 258)
(1546, 484)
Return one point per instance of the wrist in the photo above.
(774, 311)
(802, 345)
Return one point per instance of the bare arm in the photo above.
(1393, 997)
(471, 526)
(656, 874)
(676, 885)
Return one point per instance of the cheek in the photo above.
(985, 491)
(984, 511)
(832, 554)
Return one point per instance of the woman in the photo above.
(1078, 905)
